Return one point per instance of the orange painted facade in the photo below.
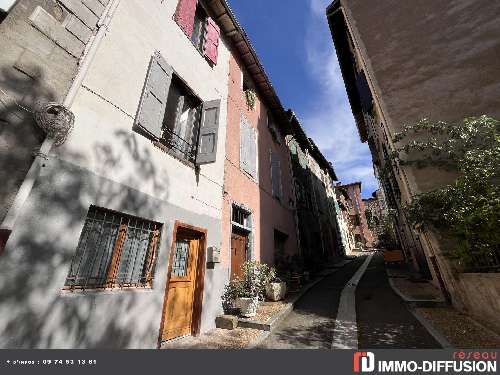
(267, 213)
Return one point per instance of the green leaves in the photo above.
(468, 210)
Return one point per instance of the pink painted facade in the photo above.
(361, 231)
(268, 214)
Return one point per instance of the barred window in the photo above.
(115, 251)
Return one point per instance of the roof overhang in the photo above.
(234, 32)
(308, 143)
(340, 34)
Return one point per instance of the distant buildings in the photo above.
(363, 236)
(405, 61)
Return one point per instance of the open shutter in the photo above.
(212, 40)
(154, 96)
(207, 146)
(184, 15)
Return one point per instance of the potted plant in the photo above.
(250, 289)
(275, 288)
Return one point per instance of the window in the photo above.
(5, 6)
(273, 129)
(202, 30)
(276, 176)
(181, 123)
(358, 239)
(241, 217)
(115, 251)
(198, 35)
(174, 118)
(248, 147)
(355, 220)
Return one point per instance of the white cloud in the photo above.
(330, 121)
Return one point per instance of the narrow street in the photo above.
(383, 321)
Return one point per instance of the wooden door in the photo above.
(178, 310)
(238, 254)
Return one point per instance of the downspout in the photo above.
(27, 186)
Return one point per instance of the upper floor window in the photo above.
(114, 251)
(175, 118)
(199, 27)
(276, 176)
(248, 147)
(5, 7)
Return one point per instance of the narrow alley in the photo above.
(383, 320)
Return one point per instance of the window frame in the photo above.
(167, 145)
(114, 262)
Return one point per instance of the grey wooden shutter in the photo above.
(276, 175)
(154, 96)
(207, 145)
(252, 152)
(244, 133)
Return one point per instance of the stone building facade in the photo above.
(402, 63)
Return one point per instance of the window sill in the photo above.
(171, 153)
(69, 291)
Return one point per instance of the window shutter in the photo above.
(207, 145)
(184, 15)
(252, 152)
(244, 143)
(212, 40)
(154, 96)
(276, 175)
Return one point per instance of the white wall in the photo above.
(107, 104)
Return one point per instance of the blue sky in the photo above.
(293, 41)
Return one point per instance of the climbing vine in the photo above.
(467, 210)
(251, 98)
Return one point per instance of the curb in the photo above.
(287, 310)
(416, 302)
(433, 331)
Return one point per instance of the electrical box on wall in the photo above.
(213, 254)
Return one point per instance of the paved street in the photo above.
(383, 321)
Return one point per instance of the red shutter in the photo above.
(212, 40)
(184, 15)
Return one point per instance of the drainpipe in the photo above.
(27, 186)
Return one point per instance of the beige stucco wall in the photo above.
(481, 297)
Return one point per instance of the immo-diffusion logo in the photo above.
(460, 363)
(364, 362)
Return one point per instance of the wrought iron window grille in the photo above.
(115, 250)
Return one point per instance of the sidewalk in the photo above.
(412, 289)
(452, 328)
(252, 331)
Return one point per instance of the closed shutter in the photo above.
(252, 152)
(207, 146)
(244, 135)
(248, 148)
(184, 15)
(154, 96)
(212, 40)
(276, 175)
